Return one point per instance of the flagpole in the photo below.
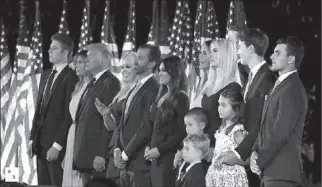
(88, 4)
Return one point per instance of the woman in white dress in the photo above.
(72, 177)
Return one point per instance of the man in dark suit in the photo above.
(136, 107)
(234, 33)
(252, 48)
(277, 151)
(92, 138)
(52, 118)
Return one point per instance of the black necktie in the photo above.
(90, 84)
(250, 77)
(50, 81)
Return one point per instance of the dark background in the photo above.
(276, 17)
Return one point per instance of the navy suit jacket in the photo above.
(280, 138)
(130, 123)
(92, 138)
(261, 85)
(195, 177)
(52, 121)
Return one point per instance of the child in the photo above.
(228, 136)
(195, 121)
(195, 148)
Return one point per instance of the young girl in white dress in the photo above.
(228, 136)
(72, 178)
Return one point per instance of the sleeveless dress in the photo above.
(72, 178)
(227, 176)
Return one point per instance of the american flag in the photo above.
(85, 36)
(206, 28)
(181, 31)
(108, 37)
(16, 111)
(6, 72)
(159, 29)
(63, 26)
(129, 43)
(28, 96)
(236, 14)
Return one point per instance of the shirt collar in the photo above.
(143, 80)
(59, 67)
(285, 75)
(192, 164)
(255, 69)
(97, 76)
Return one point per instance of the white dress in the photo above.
(227, 176)
(72, 178)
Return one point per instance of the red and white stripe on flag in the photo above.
(10, 138)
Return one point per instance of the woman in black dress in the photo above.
(112, 113)
(222, 74)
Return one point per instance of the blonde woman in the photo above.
(112, 114)
(222, 75)
(72, 177)
(204, 65)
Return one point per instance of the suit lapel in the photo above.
(136, 96)
(253, 86)
(90, 92)
(58, 81)
(272, 93)
(42, 85)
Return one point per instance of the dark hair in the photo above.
(207, 44)
(66, 42)
(154, 54)
(174, 67)
(294, 47)
(237, 102)
(198, 114)
(82, 53)
(258, 39)
(240, 29)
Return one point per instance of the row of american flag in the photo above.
(19, 83)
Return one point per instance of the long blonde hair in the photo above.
(227, 67)
(126, 86)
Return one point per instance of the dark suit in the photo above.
(165, 130)
(243, 72)
(51, 124)
(129, 125)
(195, 177)
(92, 138)
(254, 101)
(280, 138)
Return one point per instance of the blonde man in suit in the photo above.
(92, 139)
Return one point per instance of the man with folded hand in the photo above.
(137, 105)
(92, 138)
